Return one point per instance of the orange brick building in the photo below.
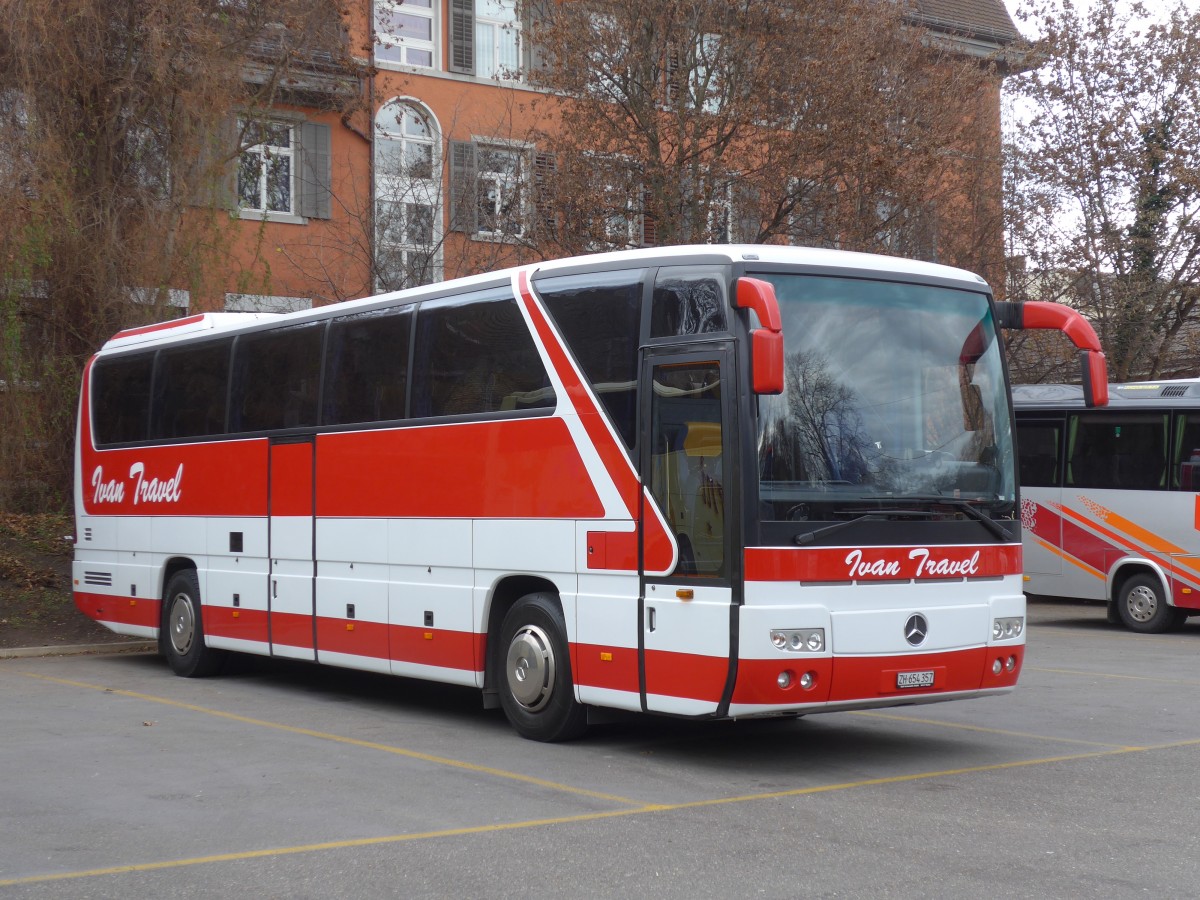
(335, 204)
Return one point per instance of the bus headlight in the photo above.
(1007, 628)
(799, 640)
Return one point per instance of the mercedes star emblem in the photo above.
(915, 629)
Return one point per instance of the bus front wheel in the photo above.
(1143, 607)
(183, 629)
(536, 690)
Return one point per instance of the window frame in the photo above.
(384, 38)
(397, 193)
(467, 181)
(498, 26)
(264, 152)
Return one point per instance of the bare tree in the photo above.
(114, 137)
(818, 122)
(1104, 183)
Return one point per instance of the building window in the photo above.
(486, 39)
(408, 213)
(266, 170)
(502, 177)
(497, 40)
(490, 189)
(404, 32)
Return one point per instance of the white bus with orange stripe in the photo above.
(1110, 502)
(718, 481)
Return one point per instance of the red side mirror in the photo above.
(766, 343)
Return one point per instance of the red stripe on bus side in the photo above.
(843, 564)
(292, 630)
(438, 647)
(612, 668)
(144, 611)
(291, 480)
(615, 461)
(687, 675)
(358, 638)
(1088, 547)
(240, 624)
(222, 478)
(1100, 553)
(659, 545)
(527, 468)
(161, 326)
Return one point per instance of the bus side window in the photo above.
(121, 398)
(366, 367)
(687, 477)
(1038, 445)
(1185, 474)
(275, 378)
(475, 354)
(599, 315)
(1118, 451)
(189, 391)
(687, 301)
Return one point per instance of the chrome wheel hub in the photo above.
(530, 668)
(1142, 604)
(181, 623)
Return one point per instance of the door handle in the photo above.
(274, 589)
(651, 618)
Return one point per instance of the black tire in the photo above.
(1143, 608)
(183, 629)
(533, 672)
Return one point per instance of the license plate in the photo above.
(914, 679)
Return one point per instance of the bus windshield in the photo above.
(894, 396)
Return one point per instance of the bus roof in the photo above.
(816, 259)
(1129, 395)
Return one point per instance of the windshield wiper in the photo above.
(880, 515)
(998, 531)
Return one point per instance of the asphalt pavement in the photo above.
(286, 780)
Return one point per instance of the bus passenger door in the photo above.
(687, 464)
(290, 535)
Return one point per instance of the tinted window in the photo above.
(687, 474)
(275, 378)
(475, 355)
(121, 398)
(1115, 450)
(190, 391)
(366, 368)
(1186, 471)
(687, 301)
(600, 318)
(1038, 452)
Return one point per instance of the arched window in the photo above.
(408, 205)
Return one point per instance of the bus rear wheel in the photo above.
(183, 629)
(535, 685)
(1143, 607)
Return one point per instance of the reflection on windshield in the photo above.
(892, 391)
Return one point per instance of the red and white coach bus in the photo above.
(720, 481)
(1110, 499)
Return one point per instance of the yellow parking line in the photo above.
(315, 848)
(586, 817)
(341, 739)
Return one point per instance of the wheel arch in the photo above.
(1129, 567)
(506, 592)
(172, 567)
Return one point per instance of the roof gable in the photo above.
(986, 20)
